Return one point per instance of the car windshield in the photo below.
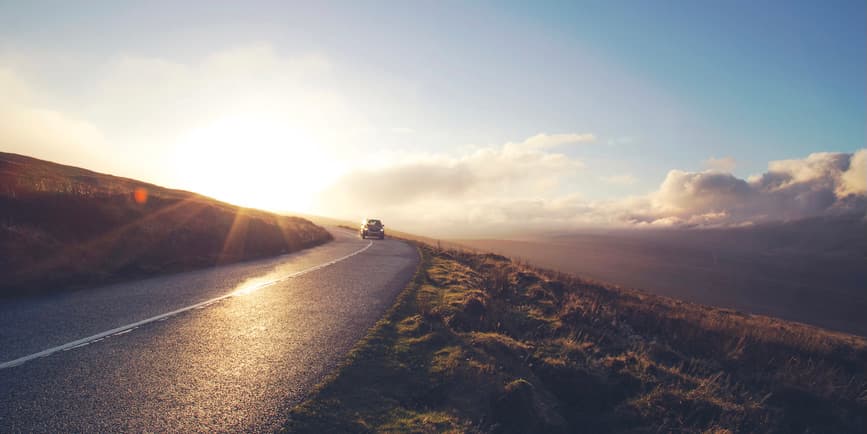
(374, 222)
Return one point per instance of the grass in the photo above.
(62, 227)
(479, 343)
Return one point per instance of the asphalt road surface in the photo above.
(223, 349)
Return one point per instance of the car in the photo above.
(372, 228)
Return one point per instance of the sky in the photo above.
(454, 118)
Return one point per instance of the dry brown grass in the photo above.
(482, 343)
(62, 227)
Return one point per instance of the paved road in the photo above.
(235, 364)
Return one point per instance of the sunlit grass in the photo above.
(489, 344)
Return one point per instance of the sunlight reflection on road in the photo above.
(256, 283)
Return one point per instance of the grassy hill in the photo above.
(63, 227)
(480, 343)
(809, 270)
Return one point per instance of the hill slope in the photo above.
(62, 227)
(808, 270)
(480, 343)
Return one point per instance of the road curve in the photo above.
(235, 363)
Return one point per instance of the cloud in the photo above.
(724, 164)
(854, 179)
(545, 141)
(625, 179)
(791, 189)
(508, 190)
(405, 183)
(514, 170)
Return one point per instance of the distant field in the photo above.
(812, 271)
(62, 227)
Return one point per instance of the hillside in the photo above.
(63, 227)
(809, 270)
(481, 343)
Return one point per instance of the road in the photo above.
(247, 342)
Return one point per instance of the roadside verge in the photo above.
(480, 343)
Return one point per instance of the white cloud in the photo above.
(545, 141)
(723, 164)
(790, 189)
(445, 182)
(854, 179)
(498, 191)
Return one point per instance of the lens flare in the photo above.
(140, 195)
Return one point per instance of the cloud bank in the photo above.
(820, 184)
(519, 188)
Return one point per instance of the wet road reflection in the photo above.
(236, 365)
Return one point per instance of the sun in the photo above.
(254, 161)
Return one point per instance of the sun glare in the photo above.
(254, 161)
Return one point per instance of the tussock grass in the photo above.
(479, 343)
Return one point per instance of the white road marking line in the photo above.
(126, 328)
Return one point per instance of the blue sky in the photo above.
(661, 86)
